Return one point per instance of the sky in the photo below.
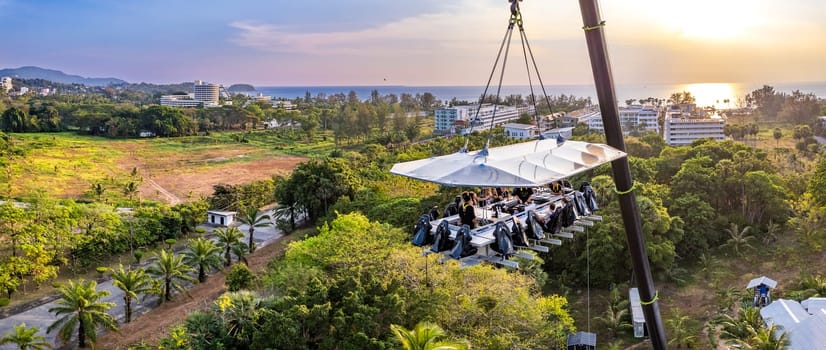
(417, 43)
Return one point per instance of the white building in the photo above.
(565, 133)
(638, 117)
(521, 131)
(205, 95)
(221, 218)
(287, 105)
(187, 100)
(476, 117)
(5, 84)
(679, 130)
(581, 116)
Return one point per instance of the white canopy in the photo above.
(762, 280)
(526, 164)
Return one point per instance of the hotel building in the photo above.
(476, 117)
(205, 94)
(680, 130)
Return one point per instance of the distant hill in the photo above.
(30, 72)
(241, 88)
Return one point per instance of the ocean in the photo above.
(706, 94)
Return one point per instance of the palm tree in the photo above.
(227, 238)
(170, 269)
(203, 254)
(738, 239)
(81, 308)
(614, 320)
(708, 265)
(772, 230)
(424, 337)
(132, 283)
(254, 218)
(238, 312)
(740, 328)
(240, 251)
(680, 332)
(98, 189)
(727, 297)
(763, 338)
(25, 338)
(813, 286)
(130, 189)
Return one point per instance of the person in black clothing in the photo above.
(524, 194)
(502, 194)
(556, 188)
(434, 213)
(453, 208)
(468, 213)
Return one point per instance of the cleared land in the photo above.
(66, 165)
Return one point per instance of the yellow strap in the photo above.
(633, 185)
(600, 25)
(653, 300)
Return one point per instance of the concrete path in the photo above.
(821, 140)
(41, 318)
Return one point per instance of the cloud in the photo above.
(463, 25)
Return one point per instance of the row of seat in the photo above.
(480, 244)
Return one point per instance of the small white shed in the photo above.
(521, 131)
(221, 218)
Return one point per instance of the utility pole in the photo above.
(594, 28)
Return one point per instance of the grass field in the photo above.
(67, 165)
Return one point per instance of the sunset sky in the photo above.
(406, 42)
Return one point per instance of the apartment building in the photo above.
(680, 130)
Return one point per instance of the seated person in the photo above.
(453, 208)
(487, 197)
(524, 194)
(502, 193)
(434, 212)
(556, 188)
(468, 212)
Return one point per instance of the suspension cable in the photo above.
(539, 76)
(501, 77)
(492, 72)
(515, 20)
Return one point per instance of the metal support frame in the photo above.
(594, 28)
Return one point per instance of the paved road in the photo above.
(42, 319)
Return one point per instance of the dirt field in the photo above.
(178, 176)
(155, 324)
(194, 183)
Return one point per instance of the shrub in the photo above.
(200, 230)
(138, 254)
(4, 302)
(239, 277)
